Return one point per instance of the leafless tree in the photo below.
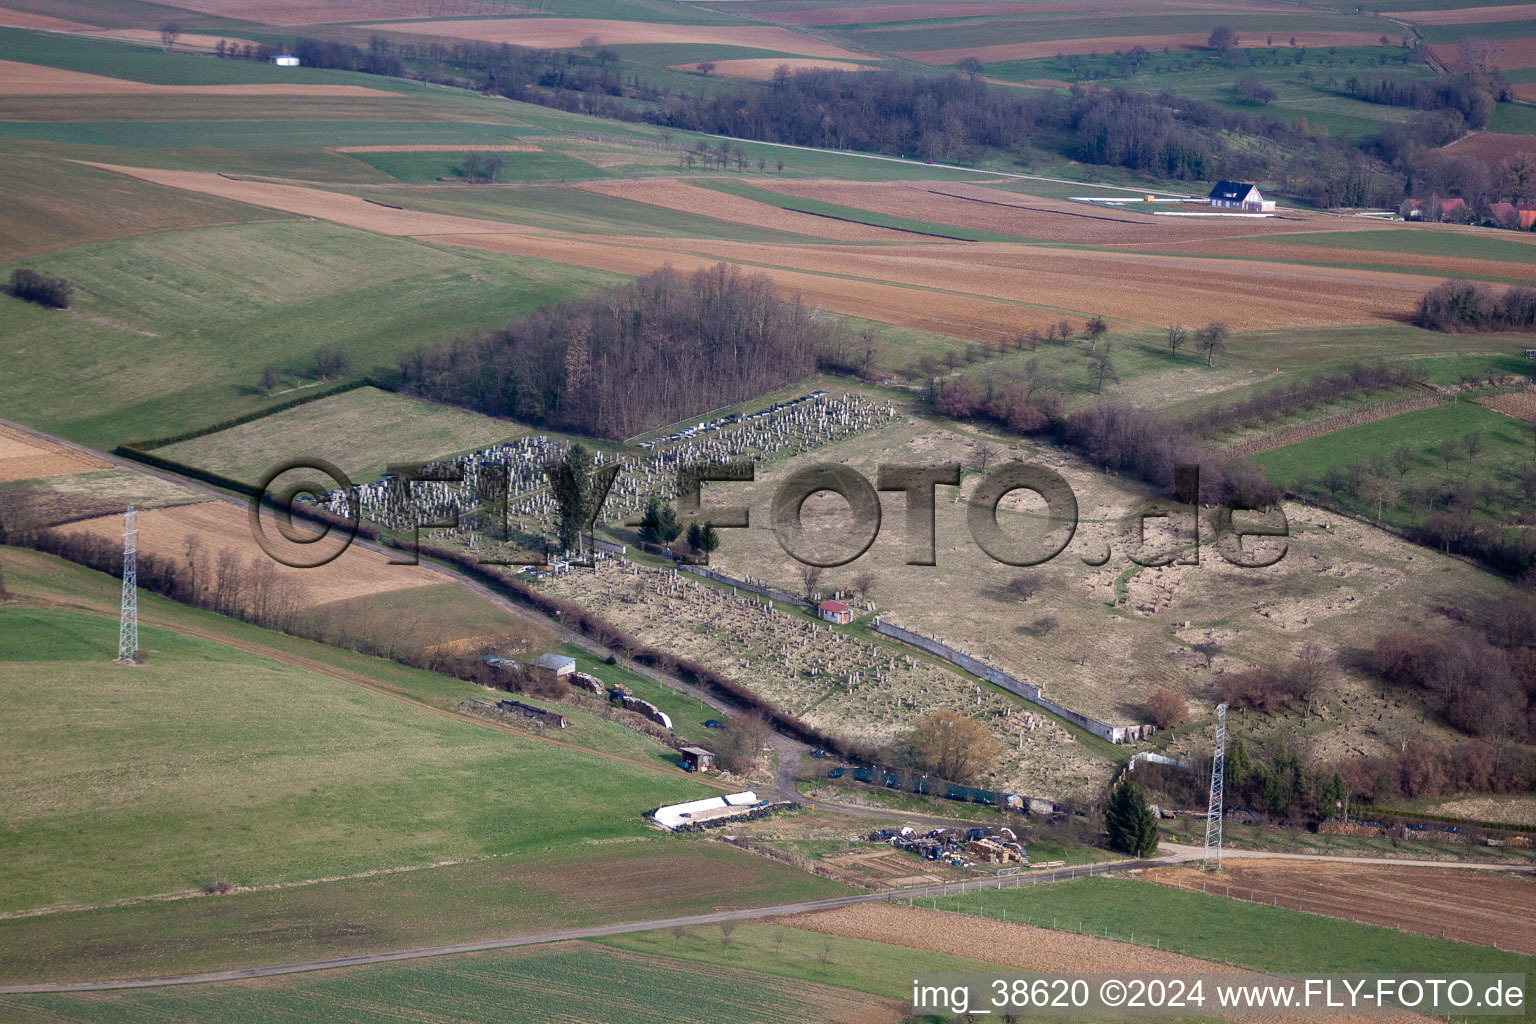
(865, 581)
(168, 34)
(726, 928)
(1177, 336)
(984, 453)
(1101, 367)
(1310, 673)
(810, 579)
(1213, 339)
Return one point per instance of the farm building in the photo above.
(698, 759)
(1509, 215)
(539, 715)
(286, 60)
(710, 809)
(557, 665)
(1240, 195)
(835, 611)
(1434, 208)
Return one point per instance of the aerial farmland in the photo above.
(764, 510)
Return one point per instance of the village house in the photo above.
(1240, 195)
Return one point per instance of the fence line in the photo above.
(731, 581)
(1011, 683)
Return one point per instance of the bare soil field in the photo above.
(988, 209)
(28, 19)
(314, 202)
(1519, 404)
(676, 195)
(562, 33)
(982, 290)
(881, 13)
(51, 500)
(17, 79)
(1041, 950)
(23, 457)
(1483, 907)
(184, 41)
(1493, 148)
(1513, 53)
(1465, 15)
(761, 69)
(220, 526)
(960, 316)
(321, 12)
(1133, 288)
(1111, 44)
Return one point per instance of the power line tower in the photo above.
(128, 628)
(1218, 784)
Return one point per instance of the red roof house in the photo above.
(834, 611)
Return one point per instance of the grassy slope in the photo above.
(209, 758)
(361, 431)
(271, 773)
(171, 331)
(1506, 446)
(584, 981)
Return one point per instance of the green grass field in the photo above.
(171, 331)
(1507, 445)
(517, 167)
(362, 431)
(1424, 241)
(211, 760)
(574, 981)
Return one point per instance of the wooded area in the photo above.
(633, 358)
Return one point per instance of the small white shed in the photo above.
(286, 60)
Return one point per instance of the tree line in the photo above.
(632, 358)
(1465, 306)
(31, 286)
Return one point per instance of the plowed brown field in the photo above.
(23, 457)
(219, 525)
(1019, 946)
(760, 69)
(1111, 44)
(1513, 53)
(987, 209)
(676, 195)
(561, 33)
(1484, 907)
(881, 13)
(1492, 148)
(320, 12)
(27, 19)
(959, 289)
(1465, 15)
(17, 79)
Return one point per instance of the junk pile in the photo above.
(959, 847)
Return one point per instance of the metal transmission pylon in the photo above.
(128, 628)
(1218, 784)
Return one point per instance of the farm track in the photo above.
(1342, 421)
